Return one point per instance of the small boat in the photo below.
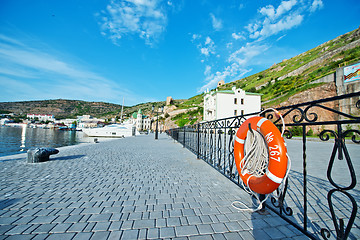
(112, 130)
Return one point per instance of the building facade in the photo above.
(41, 117)
(220, 104)
(141, 121)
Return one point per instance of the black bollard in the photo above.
(35, 155)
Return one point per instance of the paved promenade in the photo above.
(133, 188)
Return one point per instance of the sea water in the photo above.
(19, 139)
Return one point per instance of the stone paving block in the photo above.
(61, 236)
(101, 226)
(83, 236)
(8, 220)
(127, 224)
(167, 232)
(275, 233)
(94, 210)
(135, 216)
(100, 217)
(171, 222)
(246, 235)
(219, 227)
(219, 236)
(43, 228)
(142, 233)
(233, 226)
(160, 222)
(261, 234)
(232, 236)
(31, 228)
(144, 224)
(41, 236)
(60, 228)
(205, 229)
(18, 229)
(130, 234)
(188, 212)
(153, 233)
(60, 219)
(42, 219)
(77, 227)
(100, 235)
(77, 211)
(206, 219)
(108, 209)
(182, 231)
(23, 220)
(115, 235)
(73, 218)
(20, 237)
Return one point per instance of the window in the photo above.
(235, 100)
(242, 101)
(242, 112)
(235, 112)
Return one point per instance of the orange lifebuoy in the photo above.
(278, 160)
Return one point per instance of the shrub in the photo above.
(310, 132)
(296, 130)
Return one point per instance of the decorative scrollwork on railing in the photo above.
(341, 232)
(280, 201)
(219, 148)
(340, 148)
(288, 134)
(352, 133)
(231, 161)
(307, 115)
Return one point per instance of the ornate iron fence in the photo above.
(320, 196)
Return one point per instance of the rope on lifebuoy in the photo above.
(252, 159)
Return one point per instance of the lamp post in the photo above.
(157, 119)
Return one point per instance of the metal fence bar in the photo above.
(213, 142)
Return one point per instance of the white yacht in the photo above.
(113, 130)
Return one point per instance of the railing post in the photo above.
(184, 136)
(198, 142)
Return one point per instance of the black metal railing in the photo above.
(320, 196)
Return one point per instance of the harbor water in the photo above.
(19, 139)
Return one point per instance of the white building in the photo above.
(86, 121)
(141, 121)
(229, 103)
(41, 117)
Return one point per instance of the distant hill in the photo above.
(62, 108)
(276, 84)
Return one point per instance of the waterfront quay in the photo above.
(131, 188)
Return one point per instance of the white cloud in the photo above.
(243, 55)
(207, 48)
(317, 4)
(42, 73)
(276, 20)
(216, 23)
(230, 73)
(237, 36)
(145, 18)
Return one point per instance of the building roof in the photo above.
(232, 92)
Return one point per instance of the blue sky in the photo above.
(146, 50)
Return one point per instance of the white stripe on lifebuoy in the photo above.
(239, 140)
(273, 177)
(260, 122)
